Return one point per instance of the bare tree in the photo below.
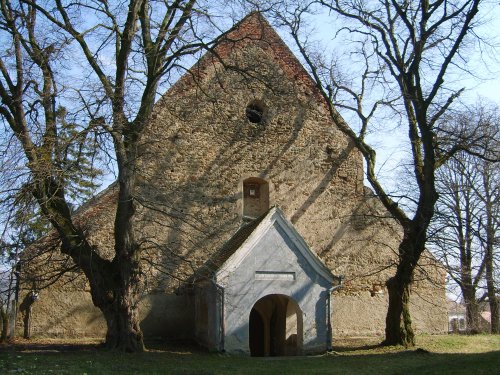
(7, 291)
(454, 234)
(125, 51)
(465, 229)
(491, 227)
(489, 194)
(408, 49)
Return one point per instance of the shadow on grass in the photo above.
(152, 345)
(34, 346)
(78, 359)
(341, 349)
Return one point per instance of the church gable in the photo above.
(231, 53)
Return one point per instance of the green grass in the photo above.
(436, 355)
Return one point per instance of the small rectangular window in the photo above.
(252, 191)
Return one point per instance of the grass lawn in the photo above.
(433, 355)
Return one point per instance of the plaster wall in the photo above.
(276, 255)
(207, 323)
(70, 314)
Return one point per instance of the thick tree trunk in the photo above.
(5, 324)
(398, 329)
(471, 309)
(120, 309)
(116, 293)
(489, 264)
(492, 297)
(398, 324)
(115, 289)
(123, 331)
(472, 316)
(494, 308)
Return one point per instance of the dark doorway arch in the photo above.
(275, 327)
(257, 347)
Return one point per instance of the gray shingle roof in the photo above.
(213, 264)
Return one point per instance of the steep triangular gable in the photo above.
(274, 217)
(253, 28)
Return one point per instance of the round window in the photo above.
(255, 111)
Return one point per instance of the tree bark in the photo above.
(115, 290)
(116, 295)
(5, 324)
(27, 323)
(398, 324)
(494, 309)
(398, 328)
(490, 281)
(490, 241)
(123, 330)
(471, 309)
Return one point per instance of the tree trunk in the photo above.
(123, 331)
(116, 293)
(398, 324)
(5, 324)
(471, 309)
(489, 264)
(398, 329)
(27, 323)
(122, 318)
(490, 284)
(494, 308)
(472, 317)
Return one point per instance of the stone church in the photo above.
(258, 234)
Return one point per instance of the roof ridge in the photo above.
(253, 27)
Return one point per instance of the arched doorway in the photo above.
(275, 327)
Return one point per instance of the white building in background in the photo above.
(456, 317)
